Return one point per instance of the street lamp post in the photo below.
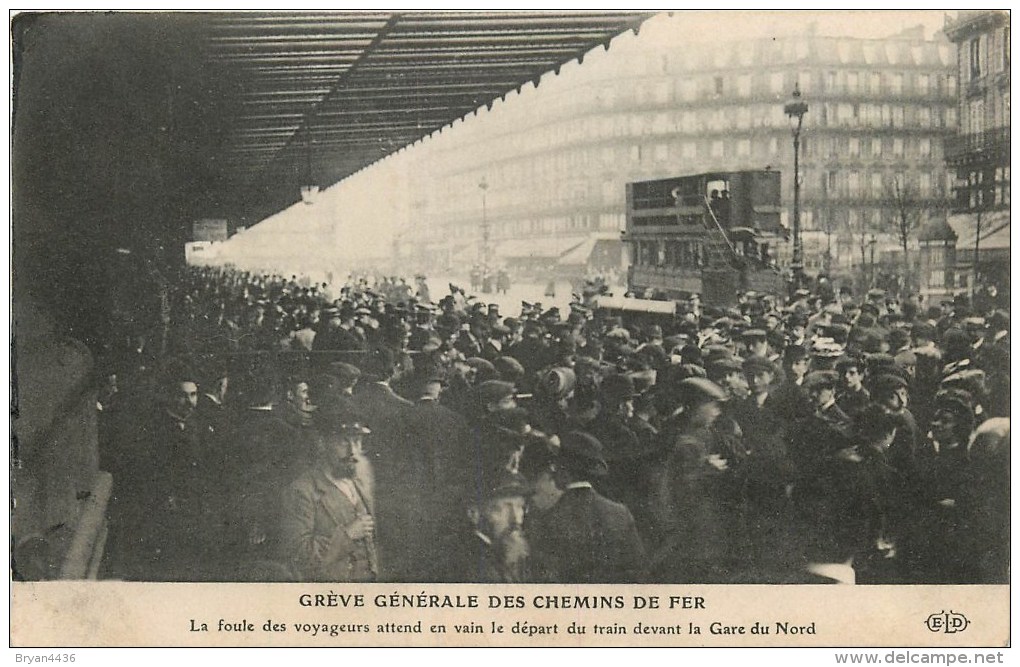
(483, 186)
(795, 109)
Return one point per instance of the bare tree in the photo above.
(909, 212)
(862, 232)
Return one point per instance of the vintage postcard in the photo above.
(511, 328)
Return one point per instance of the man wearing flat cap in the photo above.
(327, 527)
(335, 391)
(491, 547)
(889, 390)
(940, 552)
(586, 538)
(817, 440)
(851, 396)
(632, 459)
(768, 468)
(690, 495)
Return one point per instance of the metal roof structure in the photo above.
(315, 97)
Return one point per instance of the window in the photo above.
(876, 184)
(951, 117)
(689, 150)
(924, 117)
(635, 153)
(975, 57)
(717, 85)
(773, 146)
(937, 279)
(744, 148)
(924, 184)
(743, 118)
(897, 147)
(924, 147)
(688, 122)
(776, 83)
(855, 146)
(854, 182)
(976, 116)
(896, 84)
(1005, 49)
(923, 84)
(830, 81)
(804, 81)
(897, 116)
(662, 93)
(744, 85)
(661, 152)
(875, 83)
(846, 114)
(688, 90)
(852, 82)
(717, 149)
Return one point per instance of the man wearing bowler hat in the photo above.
(492, 547)
(585, 537)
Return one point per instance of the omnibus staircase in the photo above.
(719, 251)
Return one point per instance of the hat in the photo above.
(346, 374)
(887, 383)
(924, 330)
(493, 391)
(820, 380)
(906, 358)
(715, 352)
(559, 382)
(513, 422)
(754, 334)
(970, 380)
(503, 484)
(691, 354)
(618, 388)
(756, 363)
(696, 390)
(509, 369)
(583, 454)
(794, 353)
(353, 427)
(723, 366)
(998, 321)
(643, 380)
(654, 331)
(956, 402)
(843, 363)
(483, 367)
(826, 348)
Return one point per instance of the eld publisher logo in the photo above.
(948, 622)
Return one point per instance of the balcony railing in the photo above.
(989, 141)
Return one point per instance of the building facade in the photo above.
(979, 154)
(555, 168)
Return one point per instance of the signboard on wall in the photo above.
(209, 229)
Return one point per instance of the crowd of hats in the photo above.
(599, 356)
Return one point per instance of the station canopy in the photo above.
(319, 96)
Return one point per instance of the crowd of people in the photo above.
(292, 434)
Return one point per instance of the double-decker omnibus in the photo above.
(709, 234)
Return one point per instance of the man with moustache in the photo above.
(492, 548)
(327, 525)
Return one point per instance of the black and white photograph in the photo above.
(518, 297)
